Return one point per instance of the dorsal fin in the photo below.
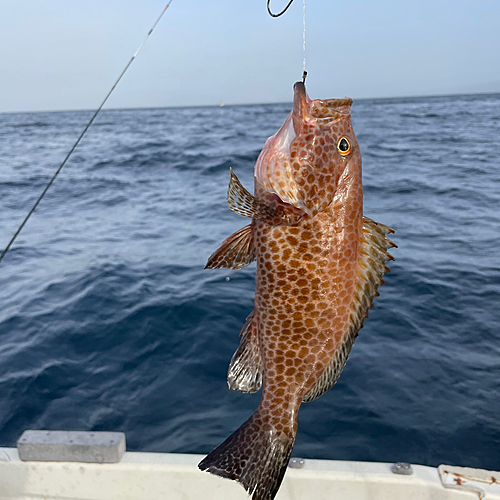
(372, 266)
(245, 369)
(235, 252)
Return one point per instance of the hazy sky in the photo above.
(66, 54)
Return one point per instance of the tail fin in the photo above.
(256, 455)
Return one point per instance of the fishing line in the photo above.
(281, 13)
(81, 135)
(304, 72)
(304, 37)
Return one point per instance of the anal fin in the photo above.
(235, 252)
(373, 255)
(245, 369)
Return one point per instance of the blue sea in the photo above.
(108, 320)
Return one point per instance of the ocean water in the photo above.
(108, 320)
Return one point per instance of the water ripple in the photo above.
(109, 322)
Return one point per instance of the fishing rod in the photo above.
(47, 187)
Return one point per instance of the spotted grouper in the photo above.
(319, 265)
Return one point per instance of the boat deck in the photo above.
(155, 476)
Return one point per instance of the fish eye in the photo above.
(344, 146)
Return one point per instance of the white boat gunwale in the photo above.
(175, 476)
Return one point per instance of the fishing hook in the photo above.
(281, 13)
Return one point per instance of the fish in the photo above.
(319, 264)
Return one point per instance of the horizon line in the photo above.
(223, 105)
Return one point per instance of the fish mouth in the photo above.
(301, 105)
(318, 112)
(275, 170)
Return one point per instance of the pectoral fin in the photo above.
(244, 203)
(235, 252)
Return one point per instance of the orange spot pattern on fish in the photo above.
(319, 264)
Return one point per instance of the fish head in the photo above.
(303, 162)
